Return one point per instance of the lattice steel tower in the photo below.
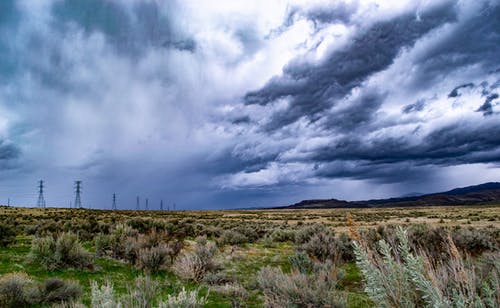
(161, 205)
(137, 205)
(147, 205)
(113, 207)
(78, 191)
(41, 199)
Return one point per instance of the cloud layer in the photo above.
(246, 104)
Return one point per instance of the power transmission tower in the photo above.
(8, 202)
(78, 191)
(41, 199)
(174, 206)
(113, 207)
(161, 205)
(137, 206)
(147, 206)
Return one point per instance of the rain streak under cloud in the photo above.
(229, 104)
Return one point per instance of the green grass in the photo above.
(242, 264)
(121, 274)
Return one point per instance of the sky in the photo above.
(236, 104)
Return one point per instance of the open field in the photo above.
(224, 256)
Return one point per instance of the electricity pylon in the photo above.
(41, 199)
(78, 191)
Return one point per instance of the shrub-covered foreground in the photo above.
(85, 258)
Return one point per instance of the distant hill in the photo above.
(483, 194)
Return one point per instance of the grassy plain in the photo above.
(238, 260)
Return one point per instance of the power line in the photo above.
(78, 190)
(41, 199)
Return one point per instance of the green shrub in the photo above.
(151, 260)
(475, 241)
(217, 278)
(320, 243)
(7, 235)
(58, 290)
(64, 252)
(231, 237)
(321, 246)
(300, 262)
(281, 235)
(196, 264)
(17, 290)
(304, 234)
(114, 244)
(299, 290)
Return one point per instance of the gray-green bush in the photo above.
(65, 251)
(394, 276)
(196, 264)
(300, 290)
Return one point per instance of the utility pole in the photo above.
(41, 199)
(78, 191)
(137, 206)
(147, 206)
(113, 207)
(161, 205)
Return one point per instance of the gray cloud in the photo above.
(313, 89)
(455, 93)
(8, 151)
(487, 107)
(415, 107)
(176, 100)
(342, 102)
(131, 29)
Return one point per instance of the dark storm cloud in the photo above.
(335, 98)
(8, 21)
(144, 97)
(8, 153)
(375, 172)
(393, 160)
(313, 89)
(131, 31)
(338, 12)
(475, 40)
(415, 107)
(487, 107)
(455, 92)
(357, 115)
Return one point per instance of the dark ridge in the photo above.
(482, 194)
